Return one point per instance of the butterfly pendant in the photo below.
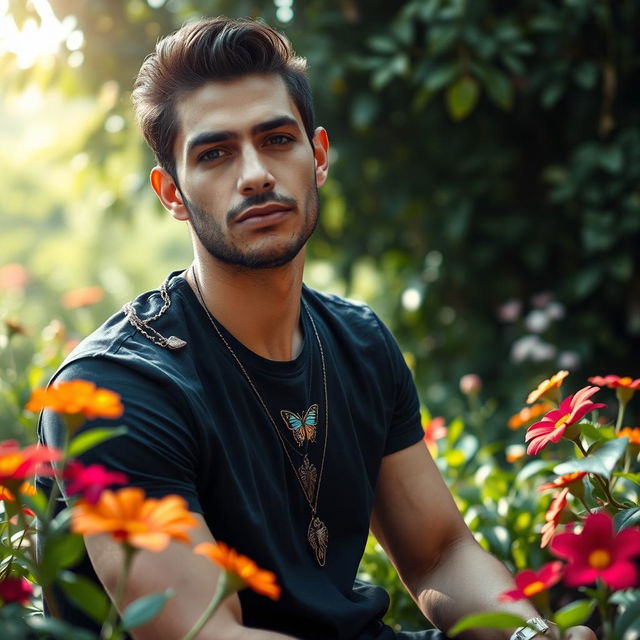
(303, 427)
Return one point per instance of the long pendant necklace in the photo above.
(307, 475)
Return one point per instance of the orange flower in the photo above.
(632, 434)
(243, 568)
(77, 397)
(547, 386)
(13, 276)
(563, 481)
(82, 297)
(15, 328)
(529, 414)
(552, 517)
(130, 518)
(26, 488)
(613, 382)
(434, 430)
(18, 464)
(514, 452)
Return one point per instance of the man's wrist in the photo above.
(535, 627)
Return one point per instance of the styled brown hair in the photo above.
(211, 49)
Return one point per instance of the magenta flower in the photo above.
(530, 583)
(91, 481)
(598, 552)
(15, 590)
(552, 427)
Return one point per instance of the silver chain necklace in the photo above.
(307, 474)
(172, 342)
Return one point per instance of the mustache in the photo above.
(257, 201)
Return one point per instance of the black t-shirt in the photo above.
(197, 429)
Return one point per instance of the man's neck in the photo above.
(259, 307)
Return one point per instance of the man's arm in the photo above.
(444, 569)
(193, 579)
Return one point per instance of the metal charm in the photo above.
(318, 537)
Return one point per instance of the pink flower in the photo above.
(90, 481)
(434, 430)
(552, 427)
(598, 552)
(529, 583)
(15, 590)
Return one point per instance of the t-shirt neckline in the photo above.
(249, 359)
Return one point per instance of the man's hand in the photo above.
(576, 633)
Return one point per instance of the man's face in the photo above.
(247, 172)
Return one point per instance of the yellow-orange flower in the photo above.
(26, 488)
(77, 397)
(82, 297)
(245, 569)
(632, 433)
(546, 386)
(529, 414)
(146, 523)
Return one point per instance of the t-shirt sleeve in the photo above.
(158, 453)
(406, 426)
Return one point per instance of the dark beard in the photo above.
(212, 238)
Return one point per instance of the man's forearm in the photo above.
(468, 580)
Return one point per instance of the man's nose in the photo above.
(254, 175)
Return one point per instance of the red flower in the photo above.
(19, 464)
(434, 430)
(529, 583)
(552, 427)
(552, 517)
(90, 481)
(614, 382)
(15, 590)
(598, 552)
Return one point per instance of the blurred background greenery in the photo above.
(485, 193)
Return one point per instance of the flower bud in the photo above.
(470, 384)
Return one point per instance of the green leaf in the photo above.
(462, 97)
(532, 468)
(574, 613)
(37, 503)
(594, 433)
(440, 77)
(499, 88)
(60, 552)
(85, 595)
(633, 477)
(57, 629)
(487, 620)
(627, 518)
(145, 608)
(602, 462)
(627, 624)
(92, 437)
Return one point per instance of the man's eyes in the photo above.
(211, 154)
(277, 139)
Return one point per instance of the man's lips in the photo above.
(261, 212)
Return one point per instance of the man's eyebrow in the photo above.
(281, 121)
(211, 137)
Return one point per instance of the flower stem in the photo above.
(621, 408)
(109, 631)
(225, 587)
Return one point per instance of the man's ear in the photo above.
(168, 193)
(320, 145)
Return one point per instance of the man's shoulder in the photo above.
(118, 340)
(353, 318)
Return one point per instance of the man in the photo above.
(286, 418)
